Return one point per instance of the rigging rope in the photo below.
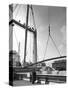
(11, 9)
(10, 34)
(17, 11)
(33, 17)
(16, 37)
(34, 24)
(15, 7)
(29, 43)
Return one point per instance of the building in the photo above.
(14, 59)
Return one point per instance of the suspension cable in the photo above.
(55, 45)
(46, 47)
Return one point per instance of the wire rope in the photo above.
(55, 45)
(17, 11)
(46, 47)
(33, 17)
(16, 37)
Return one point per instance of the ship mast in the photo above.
(34, 38)
(25, 48)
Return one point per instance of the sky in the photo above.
(44, 15)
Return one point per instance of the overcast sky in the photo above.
(44, 15)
